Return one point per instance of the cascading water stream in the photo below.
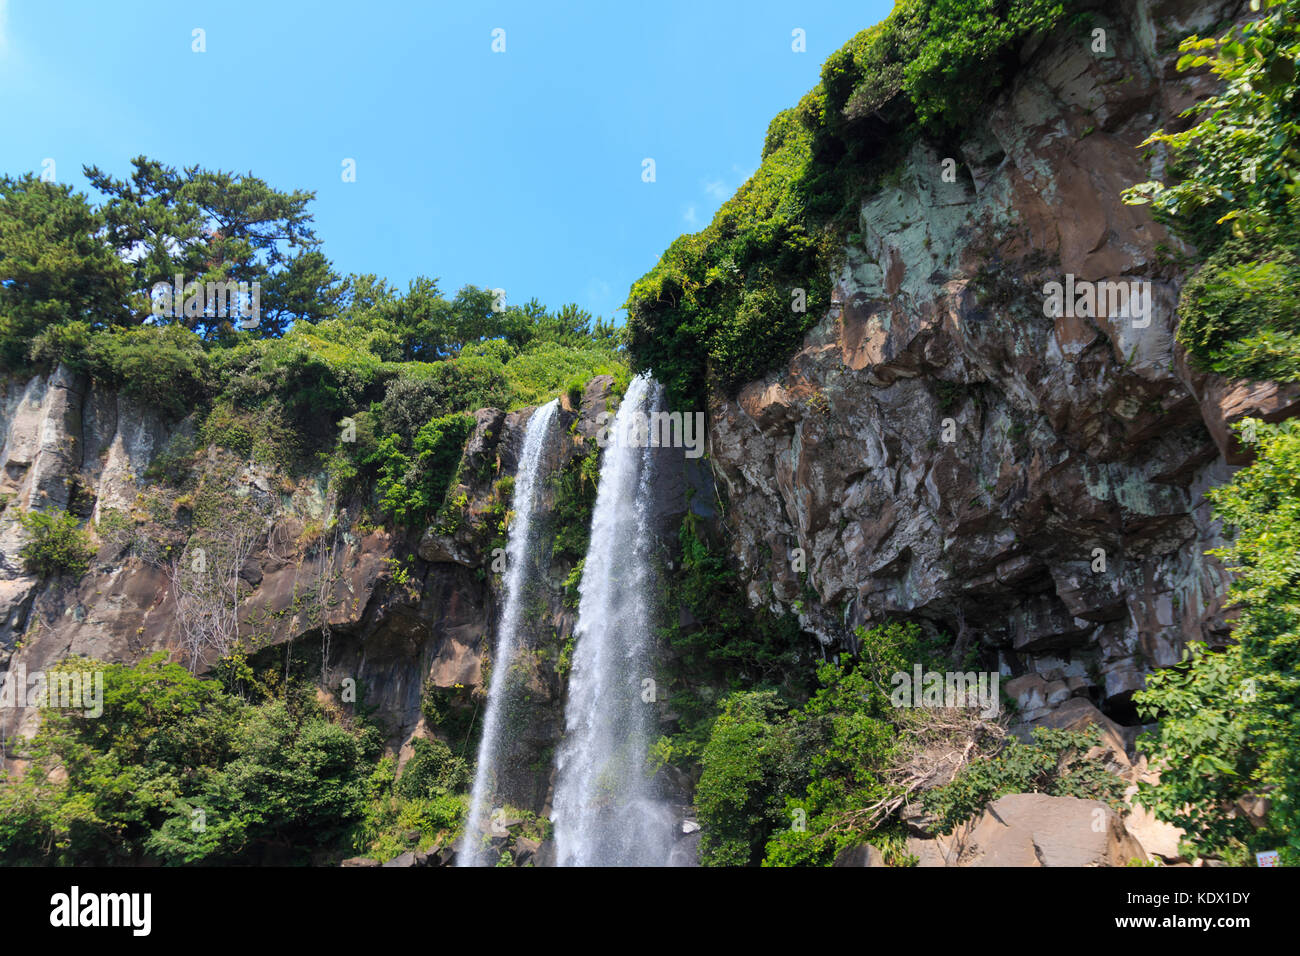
(604, 810)
(493, 748)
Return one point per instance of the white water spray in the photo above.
(494, 746)
(605, 812)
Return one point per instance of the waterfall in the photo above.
(494, 747)
(604, 811)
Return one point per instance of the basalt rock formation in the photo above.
(402, 618)
(941, 449)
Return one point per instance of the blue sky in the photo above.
(518, 170)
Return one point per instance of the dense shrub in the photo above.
(426, 391)
(1240, 312)
(544, 369)
(1203, 751)
(411, 488)
(178, 770)
(793, 785)
(856, 742)
(1055, 762)
(55, 545)
(432, 771)
(166, 367)
(1229, 721)
(753, 758)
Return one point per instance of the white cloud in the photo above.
(717, 189)
(689, 216)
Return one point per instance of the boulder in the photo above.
(863, 855)
(686, 851)
(1078, 713)
(446, 856)
(525, 851)
(928, 852)
(1158, 838)
(1034, 829)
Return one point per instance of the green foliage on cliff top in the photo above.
(723, 302)
(53, 266)
(326, 348)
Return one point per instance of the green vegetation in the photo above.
(1229, 721)
(348, 373)
(1202, 750)
(717, 643)
(183, 772)
(53, 268)
(1238, 312)
(726, 638)
(411, 488)
(859, 738)
(575, 496)
(777, 778)
(433, 771)
(789, 784)
(55, 545)
(753, 757)
(394, 824)
(728, 303)
(1236, 194)
(1054, 762)
(453, 713)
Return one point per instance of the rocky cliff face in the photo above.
(315, 582)
(68, 444)
(941, 449)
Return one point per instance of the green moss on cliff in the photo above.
(731, 301)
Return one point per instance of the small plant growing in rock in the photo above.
(56, 545)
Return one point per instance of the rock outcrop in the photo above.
(942, 449)
(1033, 829)
(315, 579)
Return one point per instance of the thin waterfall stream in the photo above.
(494, 745)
